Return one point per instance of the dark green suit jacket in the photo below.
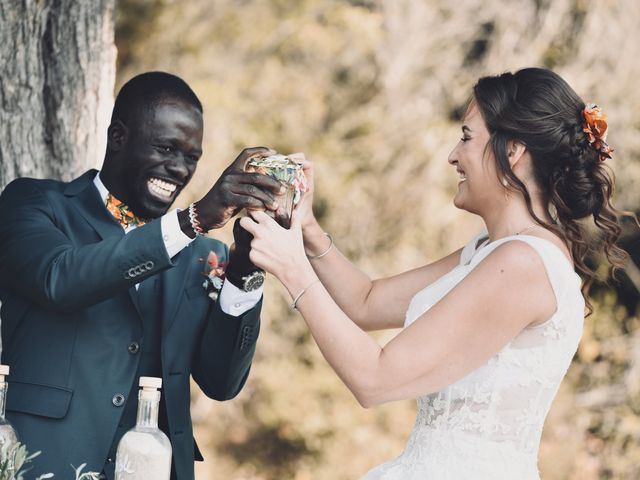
(70, 313)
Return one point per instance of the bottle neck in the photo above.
(3, 398)
(148, 406)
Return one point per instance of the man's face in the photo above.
(159, 158)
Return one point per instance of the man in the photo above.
(100, 284)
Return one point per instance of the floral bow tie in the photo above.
(123, 213)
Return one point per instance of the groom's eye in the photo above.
(165, 148)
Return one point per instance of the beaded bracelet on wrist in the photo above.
(195, 222)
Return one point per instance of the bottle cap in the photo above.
(150, 382)
(4, 369)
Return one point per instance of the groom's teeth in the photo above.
(162, 184)
(161, 187)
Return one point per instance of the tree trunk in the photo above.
(57, 64)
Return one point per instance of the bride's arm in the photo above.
(506, 292)
(371, 304)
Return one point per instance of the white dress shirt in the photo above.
(233, 301)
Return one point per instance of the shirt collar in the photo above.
(102, 190)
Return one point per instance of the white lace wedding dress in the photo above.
(487, 426)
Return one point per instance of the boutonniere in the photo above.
(214, 275)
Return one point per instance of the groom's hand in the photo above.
(240, 265)
(237, 189)
(239, 262)
(234, 190)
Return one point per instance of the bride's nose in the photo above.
(452, 157)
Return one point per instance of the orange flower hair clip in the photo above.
(595, 126)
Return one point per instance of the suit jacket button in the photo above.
(133, 347)
(118, 400)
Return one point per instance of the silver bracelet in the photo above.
(295, 300)
(317, 257)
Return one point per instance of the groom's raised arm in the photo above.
(41, 262)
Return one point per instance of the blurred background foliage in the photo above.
(373, 92)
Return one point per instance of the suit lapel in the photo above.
(173, 285)
(85, 198)
(190, 264)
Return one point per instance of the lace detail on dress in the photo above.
(488, 424)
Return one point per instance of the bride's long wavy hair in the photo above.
(537, 108)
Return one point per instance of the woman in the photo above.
(489, 330)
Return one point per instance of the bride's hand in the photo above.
(277, 250)
(305, 206)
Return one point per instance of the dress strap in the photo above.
(558, 268)
(472, 247)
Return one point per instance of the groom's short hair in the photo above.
(139, 96)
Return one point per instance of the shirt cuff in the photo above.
(172, 235)
(235, 302)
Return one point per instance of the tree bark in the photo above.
(57, 64)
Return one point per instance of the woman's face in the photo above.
(478, 188)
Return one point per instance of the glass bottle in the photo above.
(8, 435)
(144, 452)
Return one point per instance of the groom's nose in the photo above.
(178, 167)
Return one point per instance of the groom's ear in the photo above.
(117, 135)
